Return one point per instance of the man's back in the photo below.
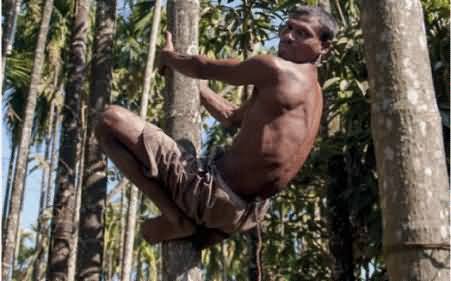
(277, 132)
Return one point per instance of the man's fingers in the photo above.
(169, 45)
(168, 37)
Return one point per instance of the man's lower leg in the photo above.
(133, 170)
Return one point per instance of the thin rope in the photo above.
(259, 246)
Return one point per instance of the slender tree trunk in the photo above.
(61, 244)
(55, 151)
(12, 161)
(41, 255)
(42, 229)
(18, 233)
(180, 260)
(133, 199)
(12, 10)
(25, 141)
(409, 146)
(92, 212)
(340, 229)
(122, 228)
(79, 182)
(73, 255)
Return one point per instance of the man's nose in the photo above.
(287, 36)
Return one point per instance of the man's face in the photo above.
(299, 41)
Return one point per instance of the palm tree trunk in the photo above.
(133, 199)
(54, 150)
(42, 229)
(12, 161)
(73, 255)
(340, 228)
(406, 127)
(79, 183)
(91, 236)
(61, 244)
(41, 255)
(12, 8)
(180, 260)
(25, 140)
(122, 228)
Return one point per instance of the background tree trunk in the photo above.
(42, 228)
(12, 9)
(62, 229)
(25, 142)
(7, 192)
(129, 235)
(91, 233)
(180, 260)
(409, 147)
(340, 228)
(79, 182)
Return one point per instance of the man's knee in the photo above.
(106, 120)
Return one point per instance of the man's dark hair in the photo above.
(328, 25)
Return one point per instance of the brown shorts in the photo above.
(198, 189)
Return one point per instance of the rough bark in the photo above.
(7, 193)
(123, 212)
(25, 141)
(180, 260)
(62, 229)
(42, 228)
(127, 260)
(41, 255)
(92, 212)
(408, 142)
(12, 9)
(73, 254)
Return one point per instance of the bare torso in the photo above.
(277, 133)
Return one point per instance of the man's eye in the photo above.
(289, 27)
(301, 33)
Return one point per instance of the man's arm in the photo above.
(257, 70)
(228, 114)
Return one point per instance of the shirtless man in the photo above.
(278, 126)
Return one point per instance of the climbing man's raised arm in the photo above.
(257, 70)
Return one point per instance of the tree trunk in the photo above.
(62, 229)
(180, 260)
(73, 255)
(79, 182)
(18, 232)
(409, 147)
(6, 201)
(12, 8)
(41, 261)
(25, 141)
(127, 260)
(123, 224)
(340, 228)
(92, 212)
(42, 229)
